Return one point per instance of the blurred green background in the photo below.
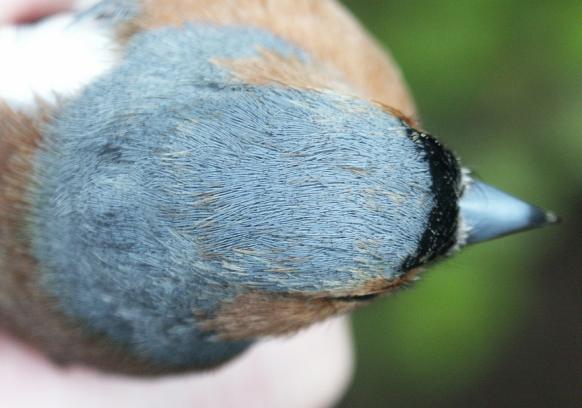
(500, 82)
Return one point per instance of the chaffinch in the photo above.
(181, 178)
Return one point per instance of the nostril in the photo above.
(31, 11)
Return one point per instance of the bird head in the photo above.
(185, 213)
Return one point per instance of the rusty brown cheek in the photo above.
(254, 314)
(273, 68)
(321, 27)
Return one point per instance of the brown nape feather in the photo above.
(321, 27)
(273, 68)
(409, 120)
(279, 314)
(25, 309)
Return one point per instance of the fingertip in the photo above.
(29, 11)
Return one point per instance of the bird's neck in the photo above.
(20, 136)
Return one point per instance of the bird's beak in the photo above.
(488, 213)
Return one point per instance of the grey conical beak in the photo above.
(488, 213)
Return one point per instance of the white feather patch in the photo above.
(463, 229)
(52, 59)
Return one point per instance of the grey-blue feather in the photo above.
(169, 187)
(111, 12)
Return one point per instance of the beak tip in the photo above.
(552, 218)
(542, 218)
(490, 213)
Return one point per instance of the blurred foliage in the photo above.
(500, 83)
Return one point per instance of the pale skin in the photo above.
(309, 369)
